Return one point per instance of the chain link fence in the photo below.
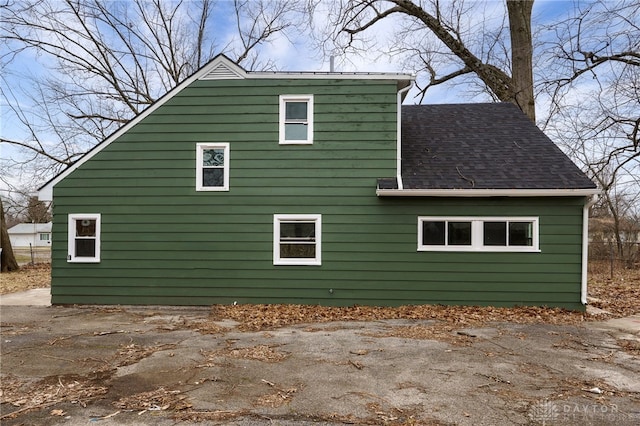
(32, 255)
(607, 253)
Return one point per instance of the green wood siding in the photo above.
(164, 243)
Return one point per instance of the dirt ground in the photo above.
(308, 365)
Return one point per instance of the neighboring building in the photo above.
(25, 235)
(259, 187)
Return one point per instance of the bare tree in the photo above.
(7, 258)
(102, 63)
(587, 67)
(505, 73)
(592, 87)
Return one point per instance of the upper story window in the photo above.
(84, 238)
(296, 119)
(212, 167)
(478, 234)
(297, 239)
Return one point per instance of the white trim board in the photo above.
(487, 192)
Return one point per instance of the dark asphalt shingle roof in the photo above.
(480, 146)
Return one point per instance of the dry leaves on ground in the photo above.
(47, 392)
(264, 353)
(264, 317)
(157, 400)
(618, 293)
(27, 278)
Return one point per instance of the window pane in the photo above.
(295, 111)
(495, 233)
(85, 228)
(298, 251)
(520, 234)
(459, 233)
(433, 233)
(298, 230)
(295, 132)
(86, 247)
(213, 177)
(44, 237)
(213, 157)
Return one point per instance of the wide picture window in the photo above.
(84, 238)
(297, 240)
(478, 234)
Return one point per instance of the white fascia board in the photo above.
(45, 193)
(487, 192)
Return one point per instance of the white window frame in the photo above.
(200, 147)
(44, 236)
(316, 219)
(72, 258)
(296, 98)
(477, 233)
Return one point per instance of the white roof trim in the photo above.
(486, 192)
(220, 68)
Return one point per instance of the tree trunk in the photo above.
(521, 55)
(8, 259)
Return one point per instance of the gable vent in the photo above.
(221, 72)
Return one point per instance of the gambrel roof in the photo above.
(481, 147)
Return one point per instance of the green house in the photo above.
(319, 188)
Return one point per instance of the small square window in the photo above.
(44, 237)
(495, 233)
(521, 234)
(297, 240)
(433, 233)
(296, 119)
(212, 167)
(459, 233)
(84, 238)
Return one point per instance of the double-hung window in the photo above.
(297, 239)
(84, 238)
(478, 234)
(212, 167)
(296, 119)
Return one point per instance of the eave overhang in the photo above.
(581, 192)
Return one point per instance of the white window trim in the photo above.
(200, 147)
(277, 218)
(477, 234)
(299, 98)
(71, 258)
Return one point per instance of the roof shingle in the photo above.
(481, 146)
